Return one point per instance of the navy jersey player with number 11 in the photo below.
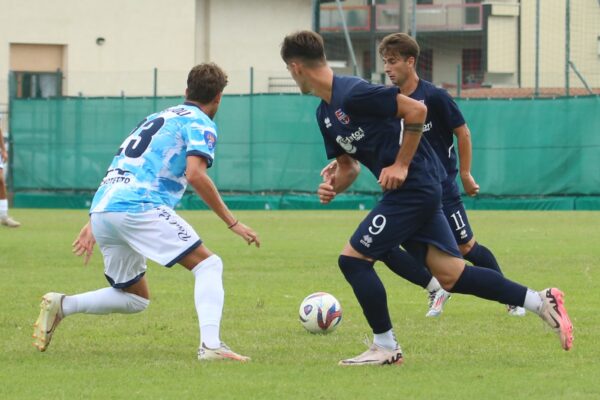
(361, 122)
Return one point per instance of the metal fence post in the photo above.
(567, 45)
(536, 92)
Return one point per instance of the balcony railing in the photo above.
(389, 17)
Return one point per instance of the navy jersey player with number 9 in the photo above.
(361, 122)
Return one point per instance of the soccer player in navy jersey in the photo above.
(132, 218)
(400, 54)
(381, 128)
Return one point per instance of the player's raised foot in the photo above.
(376, 355)
(437, 299)
(221, 353)
(515, 311)
(50, 316)
(553, 311)
(8, 221)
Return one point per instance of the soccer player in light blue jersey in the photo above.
(132, 217)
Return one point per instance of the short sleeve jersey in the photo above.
(360, 121)
(149, 168)
(443, 116)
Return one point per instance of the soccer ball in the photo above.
(320, 313)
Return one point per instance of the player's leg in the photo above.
(370, 293)
(4, 217)
(209, 297)
(124, 269)
(477, 254)
(406, 266)
(457, 277)
(470, 249)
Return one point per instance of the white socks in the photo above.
(533, 301)
(104, 301)
(387, 340)
(433, 285)
(209, 297)
(3, 207)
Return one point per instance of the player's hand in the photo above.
(84, 243)
(471, 187)
(326, 193)
(328, 173)
(246, 233)
(392, 177)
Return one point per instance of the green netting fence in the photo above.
(528, 153)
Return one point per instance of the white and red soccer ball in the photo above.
(320, 313)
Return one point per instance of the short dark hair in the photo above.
(307, 46)
(399, 44)
(205, 81)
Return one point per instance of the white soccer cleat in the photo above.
(554, 313)
(516, 311)
(8, 221)
(376, 355)
(437, 299)
(221, 353)
(50, 316)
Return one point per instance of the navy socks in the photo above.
(489, 284)
(405, 265)
(482, 257)
(369, 291)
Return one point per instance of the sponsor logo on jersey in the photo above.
(342, 117)
(115, 175)
(346, 142)
(327, 122)
(366, 241)
(427, 126)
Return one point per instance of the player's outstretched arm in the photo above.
(197, 177)
(84, 243)
(413, 113)
(465, 156)
(338, 175)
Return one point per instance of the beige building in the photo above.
(114, 47)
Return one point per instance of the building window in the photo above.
(472, 73)
(37, 84)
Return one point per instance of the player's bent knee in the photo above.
(351, 266)
(466, 248)
(135, 303)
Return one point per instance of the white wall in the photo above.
(249, 33)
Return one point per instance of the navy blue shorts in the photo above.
(405, 215)
(456, 215)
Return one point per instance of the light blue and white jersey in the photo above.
(149, 168)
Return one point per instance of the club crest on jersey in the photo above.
(342, 117)
(211, 140)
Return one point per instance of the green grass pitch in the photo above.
(474, 351)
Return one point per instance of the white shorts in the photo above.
(127, 240)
